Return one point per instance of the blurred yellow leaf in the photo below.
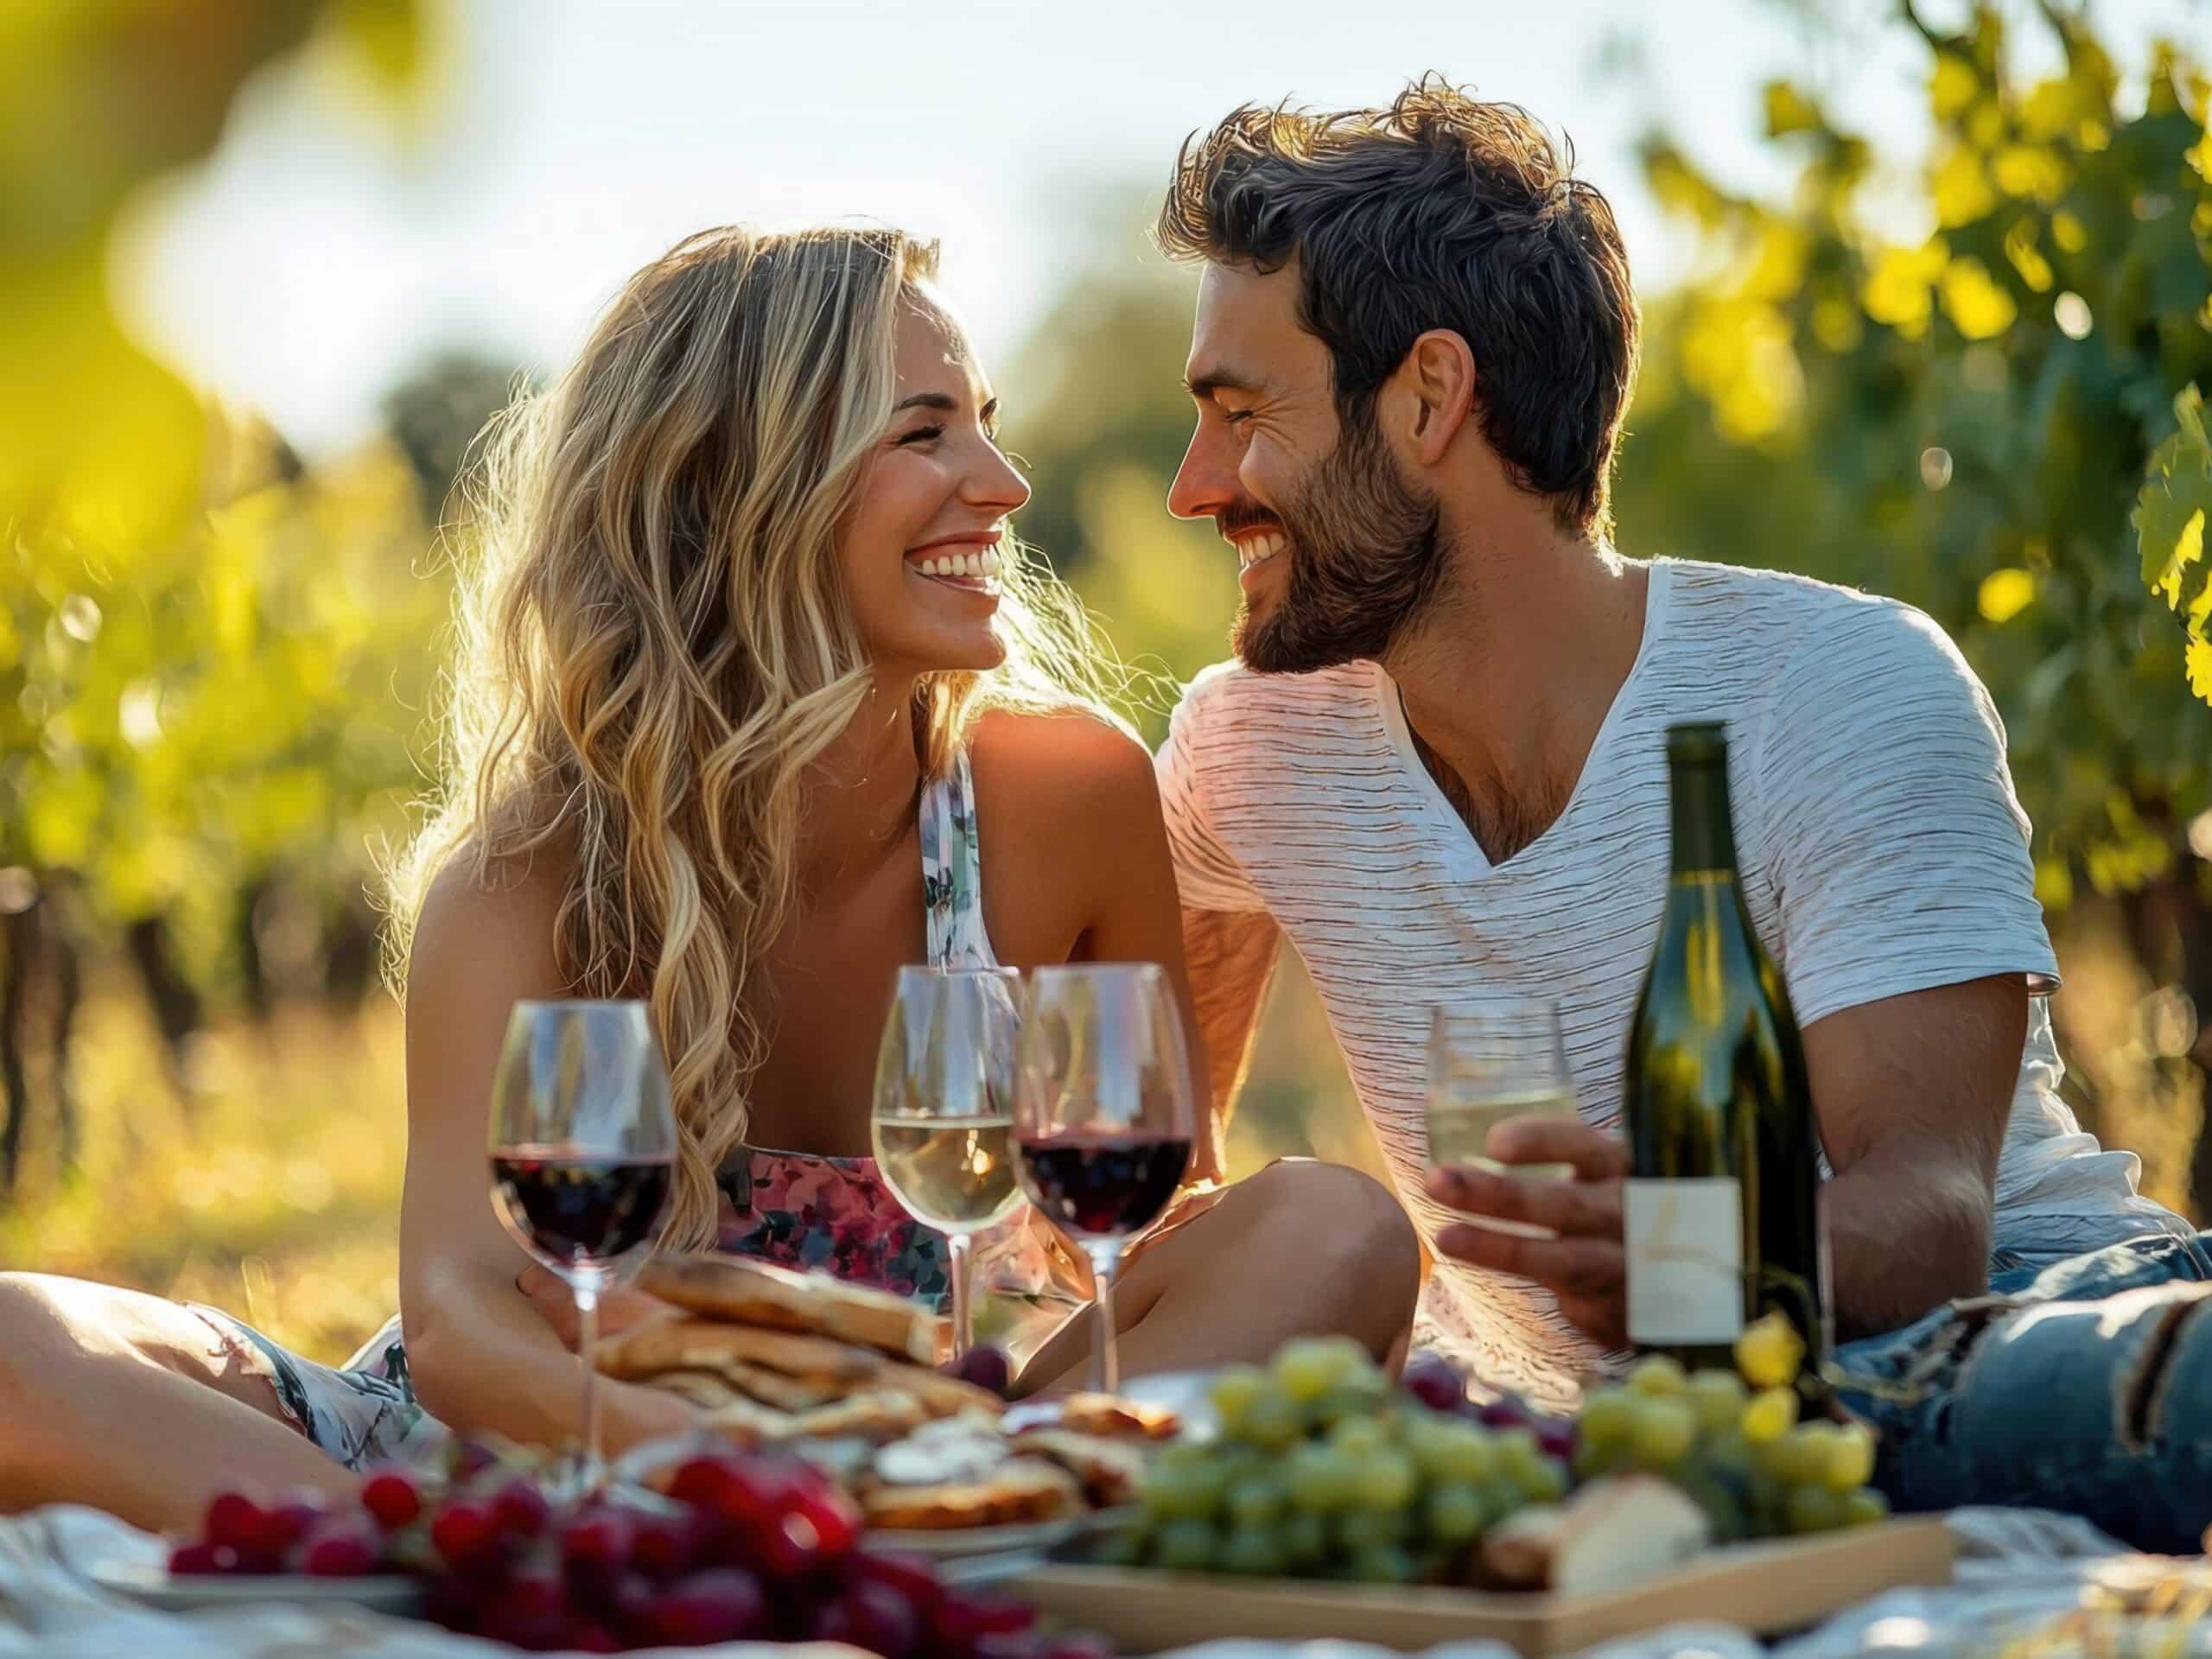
(1835, 325)
(1898, 289)
(1787, 111)
(1960, 188)
(1977, 306)
(2198, 660)
(2004, 594)
(2026, 258)
(2054, 883)
(1777, 268)
(2071, 235)
(1952, 85)
(1737, 354)
(2028, 170)
(387, 35)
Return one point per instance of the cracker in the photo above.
(1110, 1471)
(688, 1345)
(1025, 1490)
(747, 1292)
(1114, 1417)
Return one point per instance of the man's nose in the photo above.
(1206, 482)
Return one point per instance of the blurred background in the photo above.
(1926, 298)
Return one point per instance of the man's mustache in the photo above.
(1238, 519)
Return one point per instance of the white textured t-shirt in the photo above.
(1881, 847)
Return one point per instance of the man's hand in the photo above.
(620, 1306)
(1585, 1266)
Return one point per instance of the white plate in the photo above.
(155, 1585)
(953, 1543)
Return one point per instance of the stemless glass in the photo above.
(1103, 1113)
(583, 1153)
(1506, 1058)
(943, 1122)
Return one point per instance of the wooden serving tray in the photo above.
(1766, 1588)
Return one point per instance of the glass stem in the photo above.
(1105, 1257)
(964, 1309)
(590, 1469)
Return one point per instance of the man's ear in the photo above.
(1437, 383)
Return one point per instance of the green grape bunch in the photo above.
(1324, 1468)
(1734, 1441)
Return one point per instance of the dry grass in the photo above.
(276, 1194)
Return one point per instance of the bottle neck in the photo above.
(1704, 842)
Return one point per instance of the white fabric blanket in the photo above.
(2017, 1569)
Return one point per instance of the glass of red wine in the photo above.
(1101, 1113)
(583, 1153)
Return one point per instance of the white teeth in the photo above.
(981, 564)
(1260, 549)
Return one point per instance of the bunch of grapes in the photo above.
(738, 1548)
(1323, 1468)
(1732, 1440)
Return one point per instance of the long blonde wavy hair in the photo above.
(655, 644)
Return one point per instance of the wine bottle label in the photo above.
(1685, 1240)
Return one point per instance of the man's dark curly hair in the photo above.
(1440, 211)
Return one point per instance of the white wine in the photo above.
(953, 1173)
(1721, 1207)
(1460, 1122)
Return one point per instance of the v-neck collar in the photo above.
(1466, 854)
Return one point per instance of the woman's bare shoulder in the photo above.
(491, 919)
(1073, 772)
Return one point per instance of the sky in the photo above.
(320, 254)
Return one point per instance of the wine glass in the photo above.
(942, 1123)
(1101, 1113)
(1506, 1058)
(583, 1152)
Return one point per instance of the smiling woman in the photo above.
(752, 673)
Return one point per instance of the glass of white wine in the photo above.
(943, 1122)
(1506, 1058)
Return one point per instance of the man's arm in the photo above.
(1232, 957)
(1911, 1094)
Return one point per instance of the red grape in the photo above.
(910, 1576)
(341, 1552)
(960, 1621)
(1503, 1413)
(723, 1603)
(588, 1635)
(462, 1530)
(631, 1601)
(983, 1365)
(1557, 1442)
(870, 1616)
(520, 1510)
(203, 1558)
(234, 1519)
(392, 1496)
(662, 1546)
(1435, 1382)
(529, 1610)
(597, 1542)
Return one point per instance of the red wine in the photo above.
(578, 1210)
(1105, 1187)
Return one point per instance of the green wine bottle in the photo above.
(1722, 1204)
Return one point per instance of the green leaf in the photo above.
(2170, 514)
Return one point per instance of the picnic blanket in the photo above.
(2019, 1570)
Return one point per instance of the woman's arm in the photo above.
(1085, 790)
(481, 1356)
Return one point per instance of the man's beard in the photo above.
(1363, 562)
